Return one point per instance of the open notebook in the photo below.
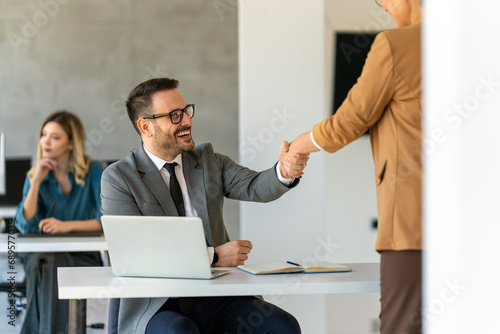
(281, 267)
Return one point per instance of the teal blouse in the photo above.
(82, 203)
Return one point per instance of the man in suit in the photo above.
(195, 184)
(387, 100)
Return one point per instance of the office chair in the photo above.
(15, 297)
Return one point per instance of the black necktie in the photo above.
(175, 188)
(186, 303)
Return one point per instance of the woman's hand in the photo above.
(43, 167)
(54, 226)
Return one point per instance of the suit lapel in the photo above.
(193, 174)
(155, 183)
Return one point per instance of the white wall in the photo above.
(282, 94)
(462, 160)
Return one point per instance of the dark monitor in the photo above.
(350, 55)
(15, 174)
(16, 171)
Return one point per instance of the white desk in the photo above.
(99, 282)
(52, 244)
(7, 211)
(80, 283)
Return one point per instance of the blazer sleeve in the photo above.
(242, 183)
(116, 198)
(23, 225)
(365, 102)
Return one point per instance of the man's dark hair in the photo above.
(139, 100)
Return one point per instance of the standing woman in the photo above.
(387, 100)
(61, 195)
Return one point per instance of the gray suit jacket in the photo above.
(134, 186)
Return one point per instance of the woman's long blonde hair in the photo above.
(78, 162)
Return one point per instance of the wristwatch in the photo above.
(216, 258)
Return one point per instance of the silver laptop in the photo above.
(147, 246)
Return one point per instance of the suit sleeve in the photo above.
(248, 185)
(116, 198)
(28, 226)
(365, 103)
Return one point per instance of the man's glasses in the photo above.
(175, 115)
(378, 3)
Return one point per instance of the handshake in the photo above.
(292, 163)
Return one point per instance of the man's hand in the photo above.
(291, 165)
(233, 253)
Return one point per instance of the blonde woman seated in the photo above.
(61, 195)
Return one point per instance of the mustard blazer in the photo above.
(387, 100)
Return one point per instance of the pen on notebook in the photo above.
(295, 264)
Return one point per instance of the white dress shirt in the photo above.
(314, 141)
(188, 205)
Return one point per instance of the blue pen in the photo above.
(295, 264)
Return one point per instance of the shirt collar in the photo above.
(52, 178)
(159, 162)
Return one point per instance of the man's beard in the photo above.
(184, 147)
(172, 147)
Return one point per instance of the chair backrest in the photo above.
(114, 308)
